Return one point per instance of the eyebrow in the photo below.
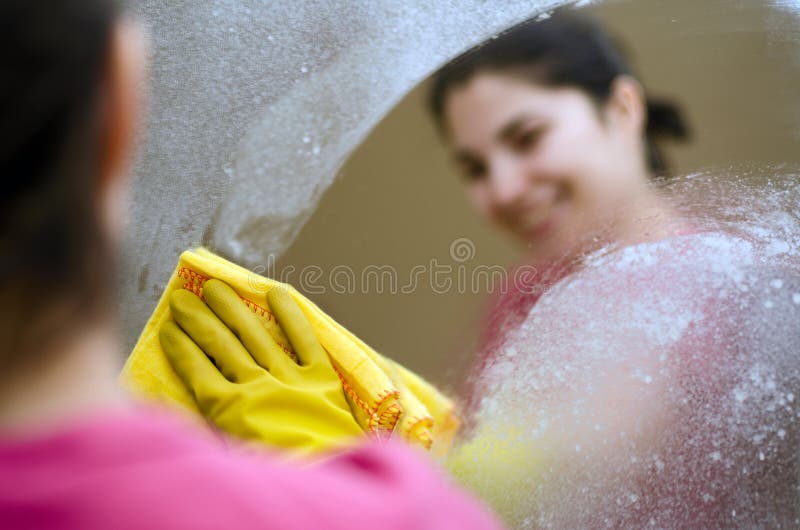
(512, 127)
(464, 156)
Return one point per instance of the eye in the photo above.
(470, 167)
(527, 139)
(473, 172)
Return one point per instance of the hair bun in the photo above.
(665, 119)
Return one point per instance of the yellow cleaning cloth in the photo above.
(386, 399)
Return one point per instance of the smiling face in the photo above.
(547, 164)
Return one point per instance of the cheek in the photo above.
(566, 158)
(580, 159)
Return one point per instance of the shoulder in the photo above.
(373, 486)
(150, 471)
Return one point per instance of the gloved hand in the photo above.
(245, 383)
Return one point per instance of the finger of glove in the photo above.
(296, 327)
(193, 367)
(213, 337)
(228, 307)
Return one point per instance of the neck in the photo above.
(651, 218)
(76, 380)
(643, 217)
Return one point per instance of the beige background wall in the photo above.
(733, 66)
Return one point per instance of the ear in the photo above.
(626, 105)
(121, 106)
(122, 101)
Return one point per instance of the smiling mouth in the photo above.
(542, 227)
(545, 219)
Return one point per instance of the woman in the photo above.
(558, 146)
(74, 453)
(607, 404)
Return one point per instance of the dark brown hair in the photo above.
(563, 50)
(52, 249)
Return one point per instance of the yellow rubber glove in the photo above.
(244, 382)
(386, 399)
(503, 465)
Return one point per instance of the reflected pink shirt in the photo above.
(508, 309)
(145, 470)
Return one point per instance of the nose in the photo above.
(507, 181)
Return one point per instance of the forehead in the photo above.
(478, 110)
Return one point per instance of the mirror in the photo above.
(598, 410)
(731, 66)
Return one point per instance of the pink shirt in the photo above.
(509, 307)
(505, 312)
(145, 470)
